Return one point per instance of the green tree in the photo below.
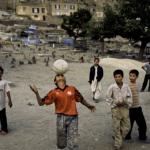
(99, 30)
(74, 24)
(132, 21)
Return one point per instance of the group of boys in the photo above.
(122, 98)
(124, 102)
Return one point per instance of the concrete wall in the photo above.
(3, 4)
(54, 20)
(101, 3)
(22, 22)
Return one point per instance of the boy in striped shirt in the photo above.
(135, 111)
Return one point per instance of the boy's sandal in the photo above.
(128, 141)
(144, 141)
(3, 132)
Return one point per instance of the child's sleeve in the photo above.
(78, 96)
(6, 87)
(49, 98)
(129, 97)
(109, 97)
(145, 66)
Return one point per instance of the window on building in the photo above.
(94, 10)
(88, 9)
(71, 13)
(28, 0)
(35, 10)
(99, 15)
(24, 8)
(72, 6)
(65, 13)
(57, 13)
(35, 16)
(57, 6)
(65, 6)
(35, 0)
(43, 10)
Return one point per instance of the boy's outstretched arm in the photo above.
(91, 107)
(34, 89)
(9, 99)
(143, 68)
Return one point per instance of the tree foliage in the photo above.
(129, 19)
(74, 24)
(132, 21)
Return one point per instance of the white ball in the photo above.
(60, 66)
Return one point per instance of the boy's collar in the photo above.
(116, 86)
(62, 89)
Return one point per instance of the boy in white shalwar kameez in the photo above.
(96, 74)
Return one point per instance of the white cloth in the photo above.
(115, 95)
(4, 87)
(96, 86)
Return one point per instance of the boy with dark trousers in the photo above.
(4, 88)
(135, 111)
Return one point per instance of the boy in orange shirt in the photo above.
(65, 98)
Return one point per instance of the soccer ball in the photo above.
(60, 66)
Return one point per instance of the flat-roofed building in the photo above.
(34, 12)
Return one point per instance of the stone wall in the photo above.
(3, 4)
(22, 22)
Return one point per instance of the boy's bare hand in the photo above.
(10, 104)
(121, 103)
(92, 108)
(34, 89)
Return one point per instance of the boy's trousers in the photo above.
(121, 122)
(67, 131)
(147, 77)
(136, 114)
(3, 120)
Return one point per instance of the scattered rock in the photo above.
(29, 62)
(21, 63)
(33, 60)
(30, 104)
(13, 66)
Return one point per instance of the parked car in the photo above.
(52, 25)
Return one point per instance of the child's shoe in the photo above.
(144, 141)
(141, 90)
(128, 141)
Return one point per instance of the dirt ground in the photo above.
(34, 127)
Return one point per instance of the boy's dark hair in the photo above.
(1, 69)
(134, 71)
(55, 78)
(118, 72)
(96, 58)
